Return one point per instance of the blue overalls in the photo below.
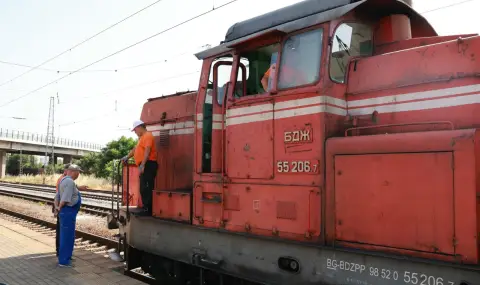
(68, 218)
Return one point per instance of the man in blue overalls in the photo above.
(70, 201)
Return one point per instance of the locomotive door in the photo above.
(249, 118)
(208, 188)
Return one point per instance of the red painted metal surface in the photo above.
(175, 157)
(400, 200)
(441, 192)
(208, 201)
(135, 199)
(284, 211)
(173, 205)
(171, 121)
(425, 65)
(250, 151)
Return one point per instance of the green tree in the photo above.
(114, 150)
(29, 164)
(89, 163)
(100, 164)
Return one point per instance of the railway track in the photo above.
(83, 240)
(92, 194)
(99, 207)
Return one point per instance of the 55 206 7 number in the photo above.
(297, 166)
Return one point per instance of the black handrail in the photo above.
(128, 192)
(114, 218)
(118, 187)
(113, 187)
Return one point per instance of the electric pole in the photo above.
(20, 173)
(50, 140)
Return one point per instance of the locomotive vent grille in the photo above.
(164, 138)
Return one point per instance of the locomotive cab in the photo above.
(269, 96)
(279, 92)
(329, 142)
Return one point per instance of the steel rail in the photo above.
(85, 207)
(44, 186)
(90, 194)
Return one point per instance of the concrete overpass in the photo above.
(32, 143)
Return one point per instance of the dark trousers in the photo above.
(57, 235)
(147, 180)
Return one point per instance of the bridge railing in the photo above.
(38, 138)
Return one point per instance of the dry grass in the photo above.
(88, 180)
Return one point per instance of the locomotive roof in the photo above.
(281, 16)
(181, 93)
(301, 15)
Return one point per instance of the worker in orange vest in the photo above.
(145, 155)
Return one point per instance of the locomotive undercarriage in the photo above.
(172, 272)
(193, 253)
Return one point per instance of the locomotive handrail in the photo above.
(119, 164)
(400, 125)
(128, 190)
(113, 188)
(118, 188)
(173, 119)
(114, 218)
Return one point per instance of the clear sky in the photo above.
(100, 104)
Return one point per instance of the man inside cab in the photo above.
(291, 74)
(145, 156)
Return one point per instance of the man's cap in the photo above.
(66, 166)
(137, 123)
(74, 167)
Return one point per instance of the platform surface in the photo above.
(28, 257)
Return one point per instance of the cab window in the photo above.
(257, 64)
(222, 68)
(350, 40)
(300, 59)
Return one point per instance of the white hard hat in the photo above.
(137, 123)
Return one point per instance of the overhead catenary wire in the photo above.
(115, 111)
(447, 6)
(53, 70)
(117, 52)
(81, 43)
(19, 118)
(141, 84)
(105, 70)
(137, 85)
(162, 60)
(96, 117)
(163, 79)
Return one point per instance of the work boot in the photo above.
(145, 212)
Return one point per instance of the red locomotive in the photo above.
(329, 142)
